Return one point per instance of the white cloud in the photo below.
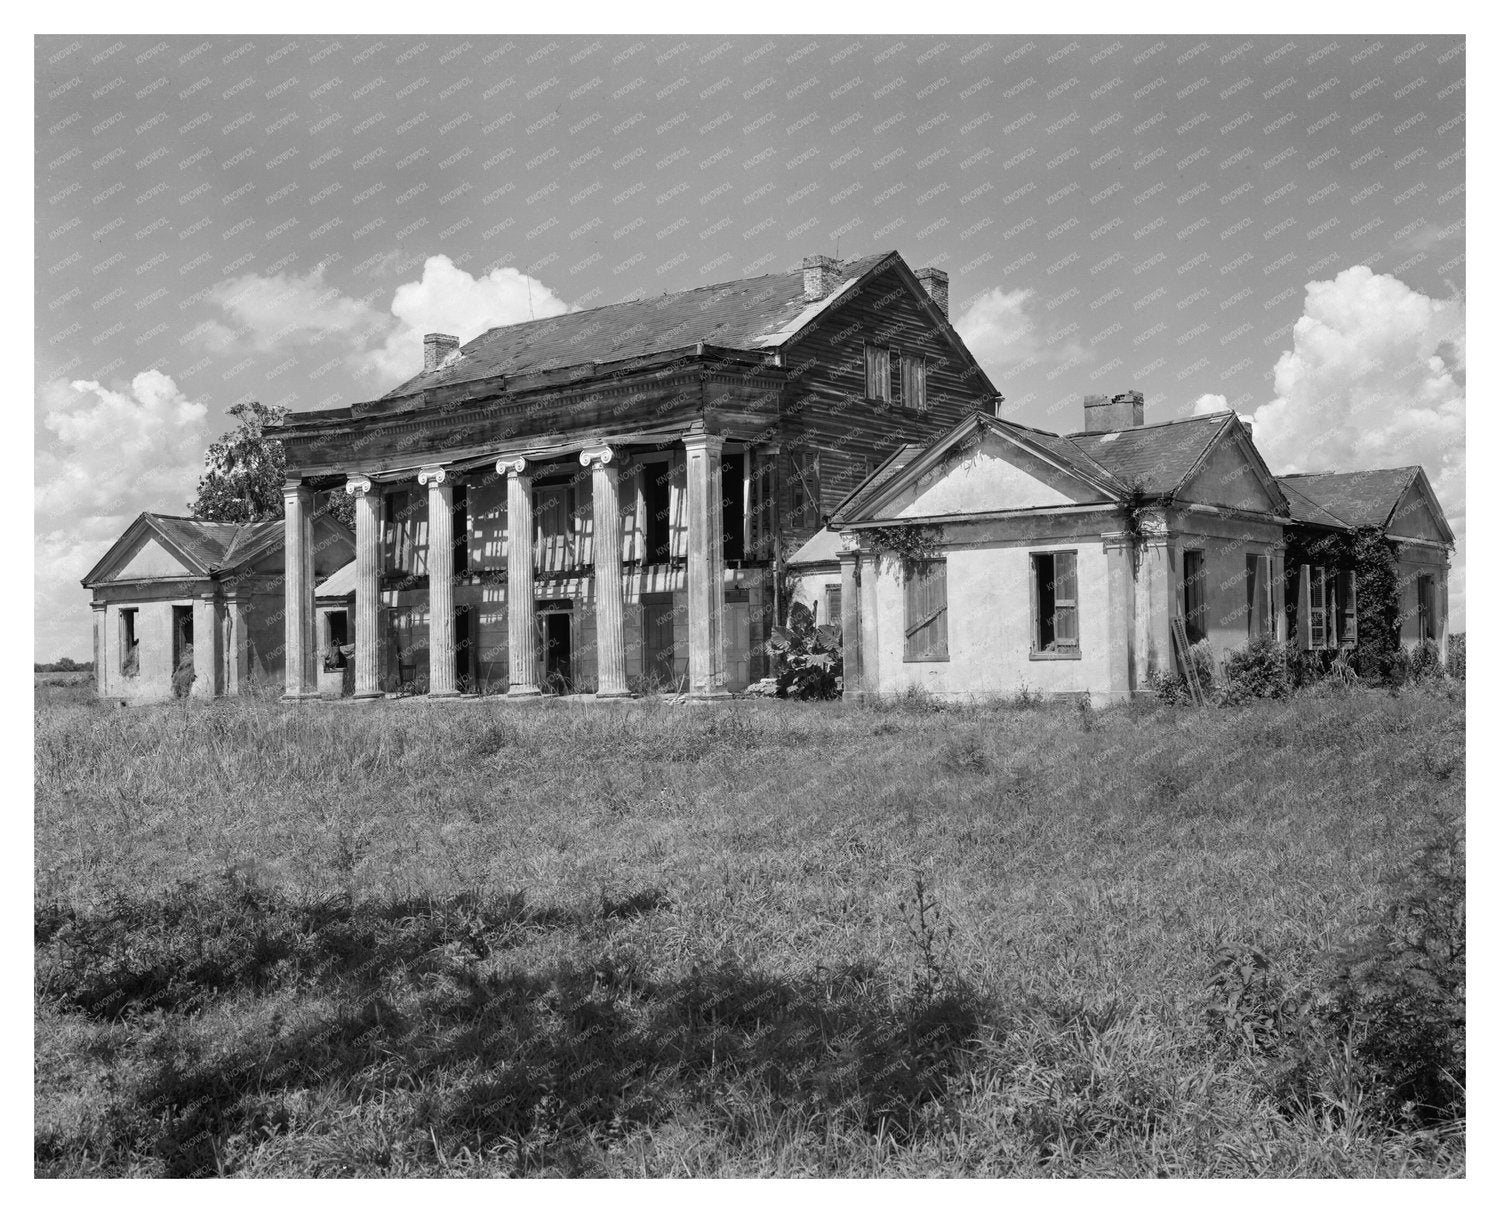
(1210, 402)
(277, 313)
(1375, 378)
(272, 314)
(103, 455)
(1001, 334)
(448, 299)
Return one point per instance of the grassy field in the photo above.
(759, 939)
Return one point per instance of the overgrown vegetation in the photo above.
(807, 657)
(904, 545)
(767, 938)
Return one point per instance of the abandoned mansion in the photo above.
(630, 497)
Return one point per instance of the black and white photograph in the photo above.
(674, 605)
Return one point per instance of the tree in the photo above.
(244, 471)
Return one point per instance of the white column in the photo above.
(206, 648)
(301, 648)
(101, 650)
(705, 571)
(1120, 635)
(367, 505)
(609, 585)
(442, 657)
(850, 606)
(520, 595)
(1278, 593)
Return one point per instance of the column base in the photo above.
(367, 696)
(442, 695)
(524, 692)
(613, 695)
(300, 696)
(706, 696)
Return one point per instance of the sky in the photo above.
(1269, 224)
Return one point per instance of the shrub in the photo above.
(1399, 987)
(809, 658)
(1458, 655)
(1426, 661)
(1173, 688)
(1258, 671)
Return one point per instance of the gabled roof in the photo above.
(1305, 509)
(1358, 498)
(867, 488)
(338, 584)
(737, 315)
(1159, 457)
(912, 461)
(204, 547)
(1368, 498)
(822, 548)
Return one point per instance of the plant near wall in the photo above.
(1133, 518)
(907, 545)
(808, 657)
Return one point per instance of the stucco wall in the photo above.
(990, 625)
(153, 628)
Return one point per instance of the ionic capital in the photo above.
(511, 465)
(592, 456)
(435, 474)
(358, 486)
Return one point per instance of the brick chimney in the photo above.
(935, 282)
(819, 276)
(1110, 414)
(435, 348)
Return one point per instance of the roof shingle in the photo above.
(732, 315)
(1357, 498)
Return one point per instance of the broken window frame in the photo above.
(1058, 590)
(130, 642)
(1195, 594)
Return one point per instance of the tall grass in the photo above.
(766, 938)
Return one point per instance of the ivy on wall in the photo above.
(908, 545)
(1377, 586)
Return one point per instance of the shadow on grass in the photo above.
(465, 1055)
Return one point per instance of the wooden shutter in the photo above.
(836, 605)
(1317, 608)
(914, 383)
(894, 370)
(1065, 599)
(927, 612)
(1252, 595)
(1304, 612)
(1348, 615)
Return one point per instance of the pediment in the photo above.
(992, 474)
(1416, 517)
(147, 558)
(1231, 477)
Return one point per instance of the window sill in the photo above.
(924, 660)
(1074, 655)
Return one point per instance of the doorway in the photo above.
(658, 640)
(555, 628)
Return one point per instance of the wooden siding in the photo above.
(827, 409)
